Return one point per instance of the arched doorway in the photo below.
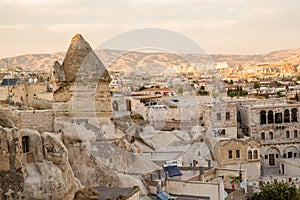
(271, 161)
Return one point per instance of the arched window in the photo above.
(255, 155)
(294, 115)
(286, 116)
(263, 117)
(249, 154)
(270, 117)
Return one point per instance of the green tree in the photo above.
(256, 85)
(142, 88)
(277, 191)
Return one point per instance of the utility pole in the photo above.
(8, 89)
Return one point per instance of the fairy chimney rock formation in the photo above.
(82, 86)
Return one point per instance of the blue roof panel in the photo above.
(173, 171)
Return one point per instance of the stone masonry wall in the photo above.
(40, 120)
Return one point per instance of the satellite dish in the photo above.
(215, 132)
(219, 131)
(243, 184)
(225, 194)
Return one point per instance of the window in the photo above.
(266, 157)
(255, 155)
(271, 136)
(227, 116)
(270, 117)
(294, 115)
(237, 152)
(295, 133)
(219, 116)
(25, 144)
(249, 155)
(290, 154)
(262, 136)
(278, 118)
(230, 154)
(263, 117)
(284, 155)
(295, 155)
(286, 116)
(287, 134)
(277, 156)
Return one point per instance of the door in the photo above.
(271, 159)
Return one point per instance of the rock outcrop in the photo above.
(98, 151)
(34, 166)
(83, 111)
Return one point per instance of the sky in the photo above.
(218, 26)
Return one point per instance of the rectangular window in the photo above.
(295, 133)
(295, 155)
(277, 155)
(266, 156)
(219, 116)
(262, 136)
(237, 152)
(287, 134)
(230, 154)
(271, 136)
(227, 116)
(290, 154)
(284, 155)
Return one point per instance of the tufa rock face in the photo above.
(34, 166)
(58, 72)
(80, 53)
(52, 178)
(82, 86)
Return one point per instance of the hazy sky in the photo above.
(219, 26)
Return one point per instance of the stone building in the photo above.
(241, 153)
(276, 125)
(23, 94)
(220, 119)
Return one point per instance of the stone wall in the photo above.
(195, 189)
(40, 120)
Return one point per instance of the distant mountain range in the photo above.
(157, 62)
